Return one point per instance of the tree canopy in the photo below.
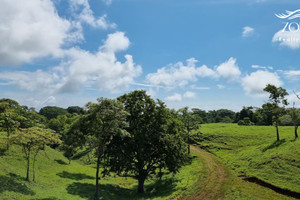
(52, 111)
(154, 140)
(33, 140)
(276, 99)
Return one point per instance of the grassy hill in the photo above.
(249, 151)
(55, 179)
(252, 151)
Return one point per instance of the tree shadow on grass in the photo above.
(294, 140)
(13, 183)
(74, 176)
(16, 177)
(81, 154)
(274, 145)
(49, 198)
(160, 188)
(107, 191)
(2, 151)
(61, 162)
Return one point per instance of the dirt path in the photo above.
(217, 180)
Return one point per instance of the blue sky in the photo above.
(208, 54)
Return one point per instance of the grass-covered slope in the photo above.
(252, 151)
(55, 179)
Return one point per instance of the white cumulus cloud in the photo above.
(189, 94)
(31, 81)
(247, 31)
(30, 30)
(254, 83)
(179, 75)
(101, 68)
(86, 15)
(175, 97)
(290, 39)
(229, 70)
(82, 69)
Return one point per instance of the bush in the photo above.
(245, 122)
(286, 120)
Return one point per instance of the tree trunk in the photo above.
(7, 142)
(33, 165)
(296, 131)
(160, 174)
(96, 197)
(28, 166)
(277, 131)
(189, 148)
(141, 184)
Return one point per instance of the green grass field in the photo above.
(58, 180)
(247, 151)
(252, 151)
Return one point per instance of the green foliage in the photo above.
(103, 121)
(201, 114)
(217, 116)
(226, 119)
(51, 112)
(154, 142)
(8, 103)
(190, 120)
(245, 112)
(285, 120)
(276, 98)
(245, 122)
(33, 140)
(263, 116)
(75, 110)
(9, 118)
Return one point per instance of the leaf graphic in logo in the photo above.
(289, 15)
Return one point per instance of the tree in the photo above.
(295, 115)
(286, 120)
(75, 109)
(52, 111)
(9, 102)
(33, 140)
(103, 121)
(58, 124)
(245, 122)
(190, 121)
(200, 113)
(8, 120)
(224, 115)
(32, 118)
(155, 140)
(245, 112)
(276, 98)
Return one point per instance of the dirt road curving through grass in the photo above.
(217, 180)
(220, 183)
